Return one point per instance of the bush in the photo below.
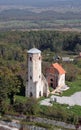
(30, 107)
(71, 72)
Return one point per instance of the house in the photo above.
(67, 59)
(55, 75)
(36, 85)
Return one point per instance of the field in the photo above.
(54, 24)
(55, 18)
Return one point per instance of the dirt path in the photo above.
(72, 100)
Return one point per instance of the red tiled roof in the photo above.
(59, 68)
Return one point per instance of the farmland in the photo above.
(25, 17)
(54, 24)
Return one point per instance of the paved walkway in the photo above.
(72, 100)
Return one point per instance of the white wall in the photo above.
(61, 80)
(34, 75)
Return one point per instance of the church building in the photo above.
(55, 76)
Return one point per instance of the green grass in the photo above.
(20, 99)
(74, 87)
(30, 24)
(76, 109)
(51, 89)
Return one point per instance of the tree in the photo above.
(71, 72)
(3, 91)
(13, 87)
(31, 106)
(10, 82)
(78, 47)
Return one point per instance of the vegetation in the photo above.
(58, 15)
(13, 68)
(43, 125)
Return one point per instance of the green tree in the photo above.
(13, 87)
(78, 47)
(10, 82)
(71, 72)
(3, 91)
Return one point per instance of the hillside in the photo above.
(44, 14)
(13, 69)
(39, 19)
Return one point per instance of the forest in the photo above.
(13, 63)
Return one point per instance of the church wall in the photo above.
(61, 80)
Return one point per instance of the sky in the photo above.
(37, 2)
(27, 1)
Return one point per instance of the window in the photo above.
(30, 58)
(39, 58)
(51, 85)
(31, 94)
(51, 80)
(40, 93)
(31, 77)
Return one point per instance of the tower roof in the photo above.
(34, 50)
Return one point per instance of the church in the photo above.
(37, 85)
(55, 75)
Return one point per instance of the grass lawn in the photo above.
(74, 87)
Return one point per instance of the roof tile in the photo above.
(59, 68)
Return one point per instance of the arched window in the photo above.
(31, 94)
(51, 80)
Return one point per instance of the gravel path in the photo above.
(72, 100)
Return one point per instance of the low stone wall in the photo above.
(45, 120)
(53, 122)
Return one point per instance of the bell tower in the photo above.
(34, 87)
